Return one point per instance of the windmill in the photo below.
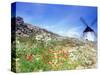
(89, 33)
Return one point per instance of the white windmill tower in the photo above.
(89, 33)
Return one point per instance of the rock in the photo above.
(27, 30)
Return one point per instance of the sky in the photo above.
(60, 19)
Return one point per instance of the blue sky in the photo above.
(61, 19)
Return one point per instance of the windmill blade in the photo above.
(94, 21)
(83, 21)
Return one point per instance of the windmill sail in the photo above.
(83, 21)
(94, 21)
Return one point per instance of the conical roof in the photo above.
(88, 29)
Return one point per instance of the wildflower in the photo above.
(29, 57)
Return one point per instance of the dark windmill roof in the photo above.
(88, 29)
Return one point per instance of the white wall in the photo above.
(89, 36)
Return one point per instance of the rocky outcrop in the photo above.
(22, 29)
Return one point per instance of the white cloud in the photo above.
(74, 32)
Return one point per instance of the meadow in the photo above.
(31, 55)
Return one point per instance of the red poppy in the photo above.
(29, 57)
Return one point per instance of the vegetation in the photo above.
(29, 54)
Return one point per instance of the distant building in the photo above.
(89, 34)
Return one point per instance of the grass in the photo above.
(31, 55)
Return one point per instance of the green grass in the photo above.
(31, 55)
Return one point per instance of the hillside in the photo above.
(37, 49)
(27, 30)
